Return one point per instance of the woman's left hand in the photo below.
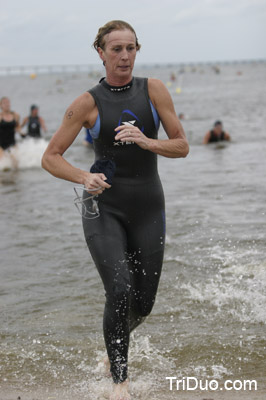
(132, 133)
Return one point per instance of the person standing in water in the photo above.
(9, 125)
(126, 241)
(217, 134)
(34, 123)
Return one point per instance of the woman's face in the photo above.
(119, 53)
(5, 104)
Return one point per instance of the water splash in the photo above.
(26, 154)
(242, 286)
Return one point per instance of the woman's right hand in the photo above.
(96, 181)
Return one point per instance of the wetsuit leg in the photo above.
(106, 240)
(127, 245)
(146, 236)
(146, 272)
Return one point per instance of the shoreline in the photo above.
(68, 394)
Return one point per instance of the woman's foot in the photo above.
(120, 391)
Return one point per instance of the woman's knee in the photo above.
(118, 297)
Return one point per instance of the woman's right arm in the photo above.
(77, 115)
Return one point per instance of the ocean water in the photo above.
(210, 314)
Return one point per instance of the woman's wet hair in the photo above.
(116, 25)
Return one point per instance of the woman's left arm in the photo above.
(177, 144)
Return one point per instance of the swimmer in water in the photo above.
(127, 239)
(34, 123)
(9, 125)
(217, 134)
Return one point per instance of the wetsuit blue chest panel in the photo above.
(130, 107)
(155, 116)
(95, 130)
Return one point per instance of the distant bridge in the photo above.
(47, 69)
(90, 68)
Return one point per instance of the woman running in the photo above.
(126, 241)
(9, 124)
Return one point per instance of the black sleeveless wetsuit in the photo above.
(214, 138)
(34, 127)
(127, 240)
(7, 133)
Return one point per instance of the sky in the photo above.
(61, 32)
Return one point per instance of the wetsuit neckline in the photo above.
(117, 88)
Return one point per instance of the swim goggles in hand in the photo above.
(86, 205)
